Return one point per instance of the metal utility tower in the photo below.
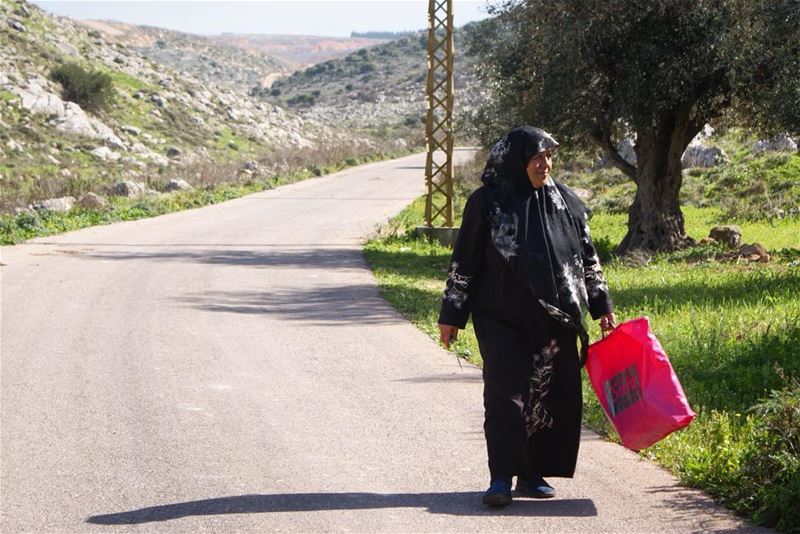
(439, 120)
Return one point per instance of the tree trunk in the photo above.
(655, 221)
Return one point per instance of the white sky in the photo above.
(298, 17)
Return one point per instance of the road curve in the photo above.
(234, 369)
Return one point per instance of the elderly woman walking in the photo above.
(525, 267)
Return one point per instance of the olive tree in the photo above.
(597, 71)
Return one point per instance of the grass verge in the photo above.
(732, 331)
(30, 224)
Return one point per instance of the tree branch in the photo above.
(602, 138)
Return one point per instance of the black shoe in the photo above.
(499, 493)
(535, 487)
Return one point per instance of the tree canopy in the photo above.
(596, 71)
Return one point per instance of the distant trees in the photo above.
(91, 90)
(597, 71)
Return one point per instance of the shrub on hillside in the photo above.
(91, 90)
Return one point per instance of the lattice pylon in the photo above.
(439, 119)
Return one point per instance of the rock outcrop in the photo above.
(730, 235)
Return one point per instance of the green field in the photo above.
(731, 329)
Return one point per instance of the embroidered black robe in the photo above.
(526, 269)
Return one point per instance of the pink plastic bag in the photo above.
(634, 382)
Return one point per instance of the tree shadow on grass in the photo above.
(410, 263)
(454, 503)
(739, 289)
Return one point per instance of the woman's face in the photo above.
(539, 167)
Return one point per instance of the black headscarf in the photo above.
(538, 231)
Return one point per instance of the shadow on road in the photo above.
(320, 305)
(444, 378)
(315, 258)
(457, 503)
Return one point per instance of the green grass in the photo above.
(773, 234)
(732, 331)
(123, 80)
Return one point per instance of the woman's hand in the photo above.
(608, 322)
(447, 334)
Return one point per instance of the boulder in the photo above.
(702, 135)
(754, 252)
(36, 99)
(251, 165)
(55, 204)
(782, 143)
(92, 201)
(104, 153)
(14, 146)
(139, 148)
(730, 235)
(158, 159)
(75, 121)
(132, 130)
(133, 162)
(178, 185)
(626, 151)
(17, 25)
(703, 156)
(129, 189)
(174, 152)
(158, 100)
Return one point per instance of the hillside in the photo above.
(209, 60)
(160, 118)
(297, 51)
(378, 90)
(196, 108)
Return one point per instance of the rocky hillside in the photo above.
(159, 117)
(298, 51)
(208, 59)
(379, 89)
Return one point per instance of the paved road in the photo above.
(233, 369)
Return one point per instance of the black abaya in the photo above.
(525, 267)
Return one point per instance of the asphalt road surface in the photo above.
(234, 369)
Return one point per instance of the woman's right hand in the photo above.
(447, 334)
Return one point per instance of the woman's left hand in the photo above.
(608, 322)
